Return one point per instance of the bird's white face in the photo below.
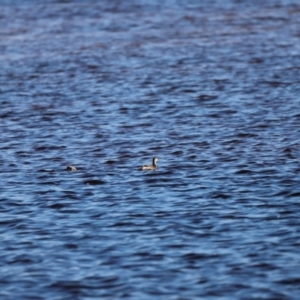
(155, 159)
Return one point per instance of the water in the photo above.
(211, 89)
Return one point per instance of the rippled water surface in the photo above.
(209, 87)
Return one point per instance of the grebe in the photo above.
(150, 167)
(71, 168)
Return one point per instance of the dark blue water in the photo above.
(209, 87)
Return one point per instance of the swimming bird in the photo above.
(71, 168)
(150, 167)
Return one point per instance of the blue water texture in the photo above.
(211, 88)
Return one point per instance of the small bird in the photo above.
(71, 168)
(150, 167)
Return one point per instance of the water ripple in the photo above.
(209, 88)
